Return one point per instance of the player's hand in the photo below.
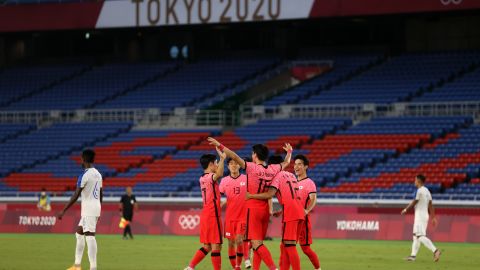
(277, 213)
(221, 154)
(213, 142)
(306, 212)
(60, 215)
(247, 196)
(287, 147)
(404, 211)
(434, 222)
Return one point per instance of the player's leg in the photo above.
(289, 239)
(130, 227)
(415, 248)
(216, 256)
(230, 235)
(259, 219)
(199, 256)
(247, 248)
(305, 240)
(89, 229)
(232, 252)
(239, 255)
(80, 247)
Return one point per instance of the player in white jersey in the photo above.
(423, 210)
(89, 186)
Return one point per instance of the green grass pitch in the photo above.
(56, 251)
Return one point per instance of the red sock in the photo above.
(291, 252)
(239, 255)
(246, 249)
(284, 261)
(266, 256)
(216, 260)
(257, 260)
(312, 256)
(231, 256)
(198, 257)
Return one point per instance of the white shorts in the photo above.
(420, 227)
(89, 224)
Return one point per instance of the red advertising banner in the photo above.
(334, 222)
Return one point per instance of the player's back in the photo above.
(421, 208)
(91, 182)
(259, 178)
(210, 195)
(235, 190)
(287, 195)
(306, 187)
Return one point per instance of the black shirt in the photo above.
(128, 203)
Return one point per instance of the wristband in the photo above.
(289, 151)
(221, 147)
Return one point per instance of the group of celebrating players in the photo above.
(249, 207)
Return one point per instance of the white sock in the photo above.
(92, 251)
(79, 249)
(425, 241)
(415, 246)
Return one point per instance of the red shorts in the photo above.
(211, 230)
(234, 228)
(257, 223)
(305, 232)
(290, 230)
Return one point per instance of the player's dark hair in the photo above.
(303, 158)
(275, 160)
(206, 159)
(88, 155)
(228, 160)
(421, 177)
(261, 151)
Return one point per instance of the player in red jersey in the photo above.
(234, 187)
(307, 192)
(259, 178)
(284, 186)
(210, 220)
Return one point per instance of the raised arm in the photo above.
(72, 201)
(221, 165)
(288, 158)
(227, 151)
(263, 196)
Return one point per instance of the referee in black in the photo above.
(128, 203)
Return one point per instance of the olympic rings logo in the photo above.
(448, 2)
(189, 221)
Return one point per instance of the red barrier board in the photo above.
(334, 222)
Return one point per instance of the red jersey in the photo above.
(210, 195)
(287, 189)
(306, 187)
(259, 178)
(235, 190)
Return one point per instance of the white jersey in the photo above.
(423, 197)
(91, 182)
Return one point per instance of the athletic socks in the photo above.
(239, 255)
(415, 246)
(312, 256)
(79, 248)
(92, 251)
(425, 241)
(292, 254)
(231, 256)
(198, 257)
(216, 260)
(284, 261)
(266, 257)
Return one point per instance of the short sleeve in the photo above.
(275, 182)
(83, 181)
(429, 196)
(134, 198)
(249, 167)
(418, 194)
(121, 199)
(222, 186)
(313, 188)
